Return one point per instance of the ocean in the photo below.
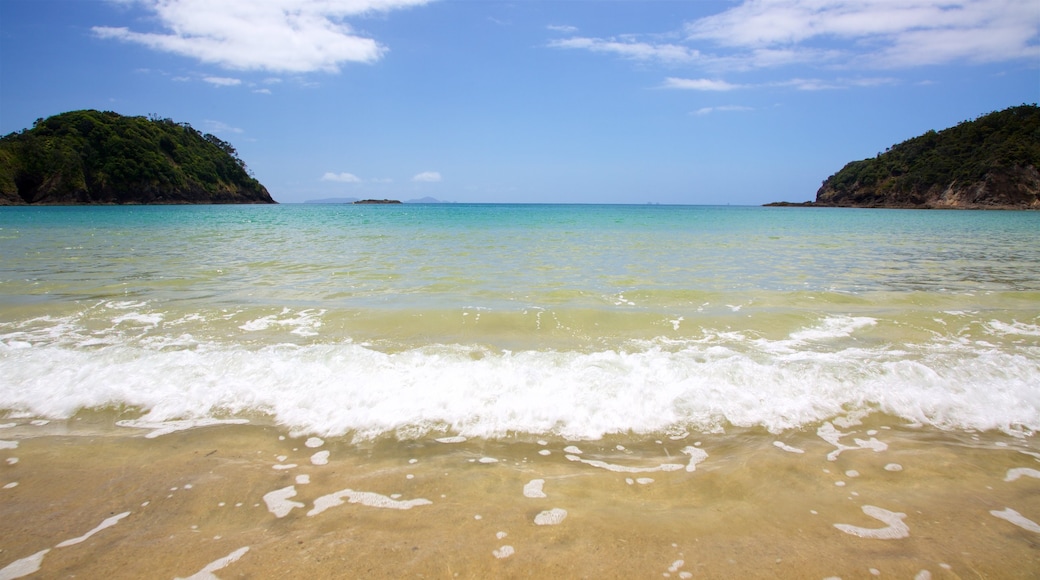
(519, 391)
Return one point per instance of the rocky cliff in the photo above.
(992, 162)
(93, 157)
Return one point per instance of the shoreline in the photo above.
(795, 505)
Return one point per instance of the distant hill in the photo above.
(425, 200)
(991, 162)
(94, 157)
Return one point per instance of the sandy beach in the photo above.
(82, 499)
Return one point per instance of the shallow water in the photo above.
(696, 392)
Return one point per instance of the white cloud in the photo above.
(825, 85)
(723, 109)
(341, 177)
(801, 84)
(836, 34)
(563, 28)
(630, 49)
(222, 81)
(880, 33)
(699, 84)
(274, 35)
(262, 91)
(810, 85)
(428, 176)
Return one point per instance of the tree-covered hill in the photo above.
(94, 157)
(991, 162)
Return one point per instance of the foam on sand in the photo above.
(785, 447)
(218, 564)
(503, 552)
(625, 468)
(366, 498)
(23, 567)
(160, 428)
(278, 502)
(550, 517)
(696, 454)
(320, 458)
(533, 488)
(895, 530)
(1016, 518)
(107, 523)
(8, 444)
(831, 435)
(1018, 472)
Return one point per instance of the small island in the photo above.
(375, 201)
(93, 157)
(992, 162)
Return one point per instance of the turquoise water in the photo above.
(578, 320)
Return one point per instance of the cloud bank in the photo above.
(630, 49)
(699, 84)
(879, 34)
(296, 36)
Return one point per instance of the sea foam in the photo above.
(649, 386)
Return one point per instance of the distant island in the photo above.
(353, 200)
(376, 201)
(992, 162)
(94, 157)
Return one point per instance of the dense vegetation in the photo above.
(85, 157)
(989, 162)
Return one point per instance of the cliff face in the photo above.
(992, 162)
(92, 157)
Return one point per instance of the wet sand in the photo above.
(90, 500)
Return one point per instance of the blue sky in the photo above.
(668, 101)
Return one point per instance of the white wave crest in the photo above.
(334, 389)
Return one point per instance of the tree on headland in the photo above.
(94, 157)
(992, 161)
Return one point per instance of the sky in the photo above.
(736, 102)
